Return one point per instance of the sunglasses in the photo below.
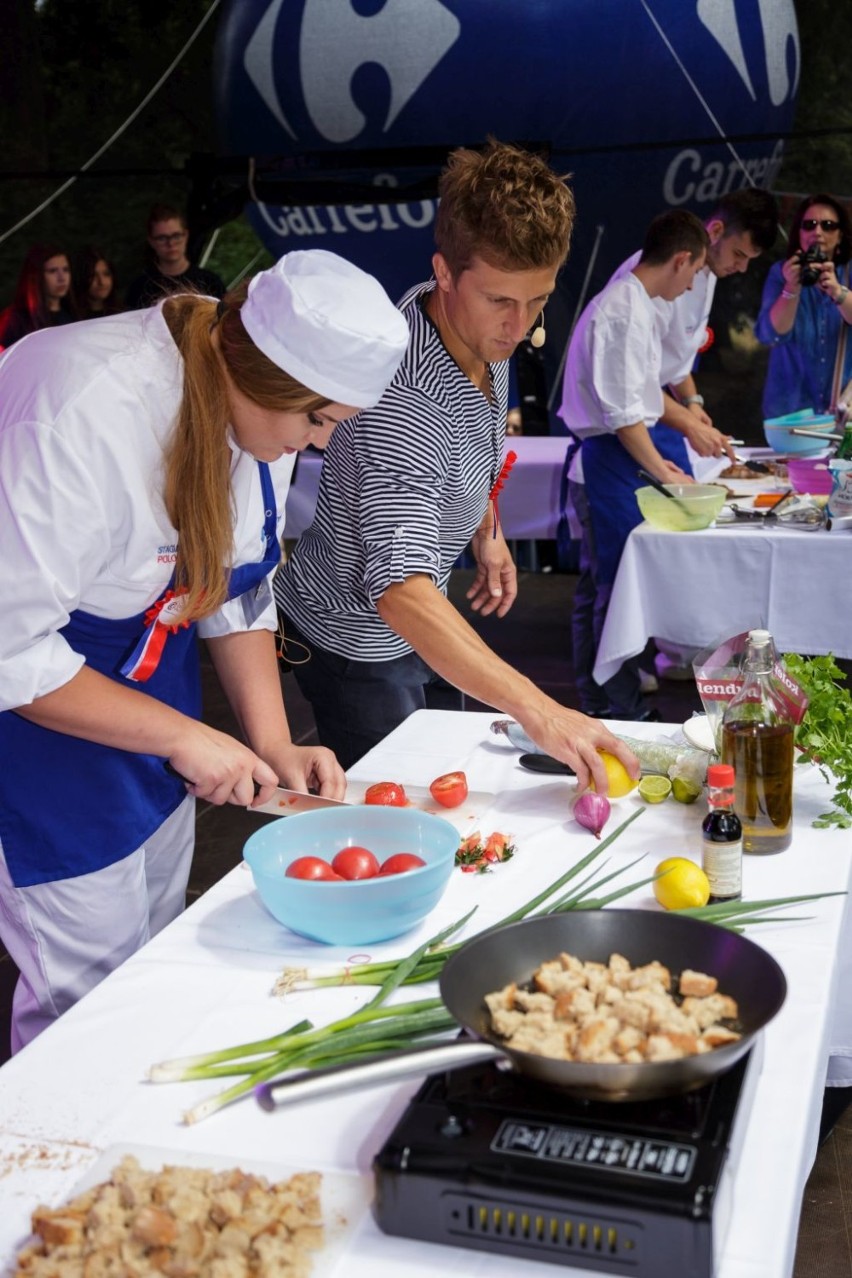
(170, 239)
(827, 224)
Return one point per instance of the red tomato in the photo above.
(449, 790)
(310, 867)
(356, 863)
(400, 862)
(387, 793)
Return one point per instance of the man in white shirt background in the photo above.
(612, 401)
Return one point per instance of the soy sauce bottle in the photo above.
(722, 837)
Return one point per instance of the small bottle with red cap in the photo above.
(722, 837)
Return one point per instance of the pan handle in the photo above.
(373, 1072)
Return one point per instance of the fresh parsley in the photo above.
(824, 736)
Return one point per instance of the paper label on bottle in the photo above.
(723, 865)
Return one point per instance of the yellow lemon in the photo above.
(685, 791)
(654, 789)
(683, 884)
(620, 780)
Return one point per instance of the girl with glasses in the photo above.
(169, 269)
(806, 311)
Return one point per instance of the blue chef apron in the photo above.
(69, 806)
(611, 477)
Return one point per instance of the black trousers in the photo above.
(357, 703)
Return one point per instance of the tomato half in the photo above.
(310, 867)
(450, 790)
(356, 863)
(400, 862)
(388, 793)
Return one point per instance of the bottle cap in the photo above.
(720, 775)
(759, 636)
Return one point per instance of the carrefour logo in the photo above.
(407, 38)
(780, 33)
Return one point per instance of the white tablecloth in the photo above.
(696, 588)
(529, 502)
(205, 983)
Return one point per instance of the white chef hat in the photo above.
(328, 324)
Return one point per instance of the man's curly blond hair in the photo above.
(504, 205)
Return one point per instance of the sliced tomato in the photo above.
(450, 790)
(471, 842)
(356, 863)
(388, 793)
(310, 867)
(400, 862)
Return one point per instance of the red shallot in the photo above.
(592, 811)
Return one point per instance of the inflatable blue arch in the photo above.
(646, 103)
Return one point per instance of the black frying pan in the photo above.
(506, 954)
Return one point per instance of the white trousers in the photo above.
(66, 936)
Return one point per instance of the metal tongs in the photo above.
(808, 518)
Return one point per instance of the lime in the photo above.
(685, 791)
(683, 884)
(619, 779)
(654, 789)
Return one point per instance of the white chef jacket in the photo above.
(612, 373)
(85, 411)
(683, 322)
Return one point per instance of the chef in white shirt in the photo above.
(742, 225)
(144, 464)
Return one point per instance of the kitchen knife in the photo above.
(294, 802)
(283, 802)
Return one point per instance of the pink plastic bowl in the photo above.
(808, 476)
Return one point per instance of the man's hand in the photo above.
(577, 740)
(705, 439)
(495, 586)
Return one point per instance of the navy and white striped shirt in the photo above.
(404, 487)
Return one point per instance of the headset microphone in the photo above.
(538, 335)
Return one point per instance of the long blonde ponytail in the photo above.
(198, 459)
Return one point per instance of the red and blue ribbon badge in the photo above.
(162, 619)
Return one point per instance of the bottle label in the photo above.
(723, 865)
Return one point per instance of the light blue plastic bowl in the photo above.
(366, 910)
(779, 436)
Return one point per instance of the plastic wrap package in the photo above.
(718, 679)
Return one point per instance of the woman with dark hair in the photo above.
(43, 295)
(144, 464)
(94, 284)
(806, 311)
(169, 269)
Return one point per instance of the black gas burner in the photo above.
(487, 1159)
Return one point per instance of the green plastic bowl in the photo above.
(696, 507)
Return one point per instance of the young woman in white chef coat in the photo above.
(144, 463)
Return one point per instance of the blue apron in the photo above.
(611, 477)
(69, 806)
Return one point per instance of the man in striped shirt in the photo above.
(405, 486)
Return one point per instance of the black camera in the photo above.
(807, 259)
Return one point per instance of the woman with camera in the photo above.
(806, 311)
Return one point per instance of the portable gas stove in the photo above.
(486, 1159)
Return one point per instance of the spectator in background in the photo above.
(169, 269)
(43, 296)
(804, 314)
(94, 284)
